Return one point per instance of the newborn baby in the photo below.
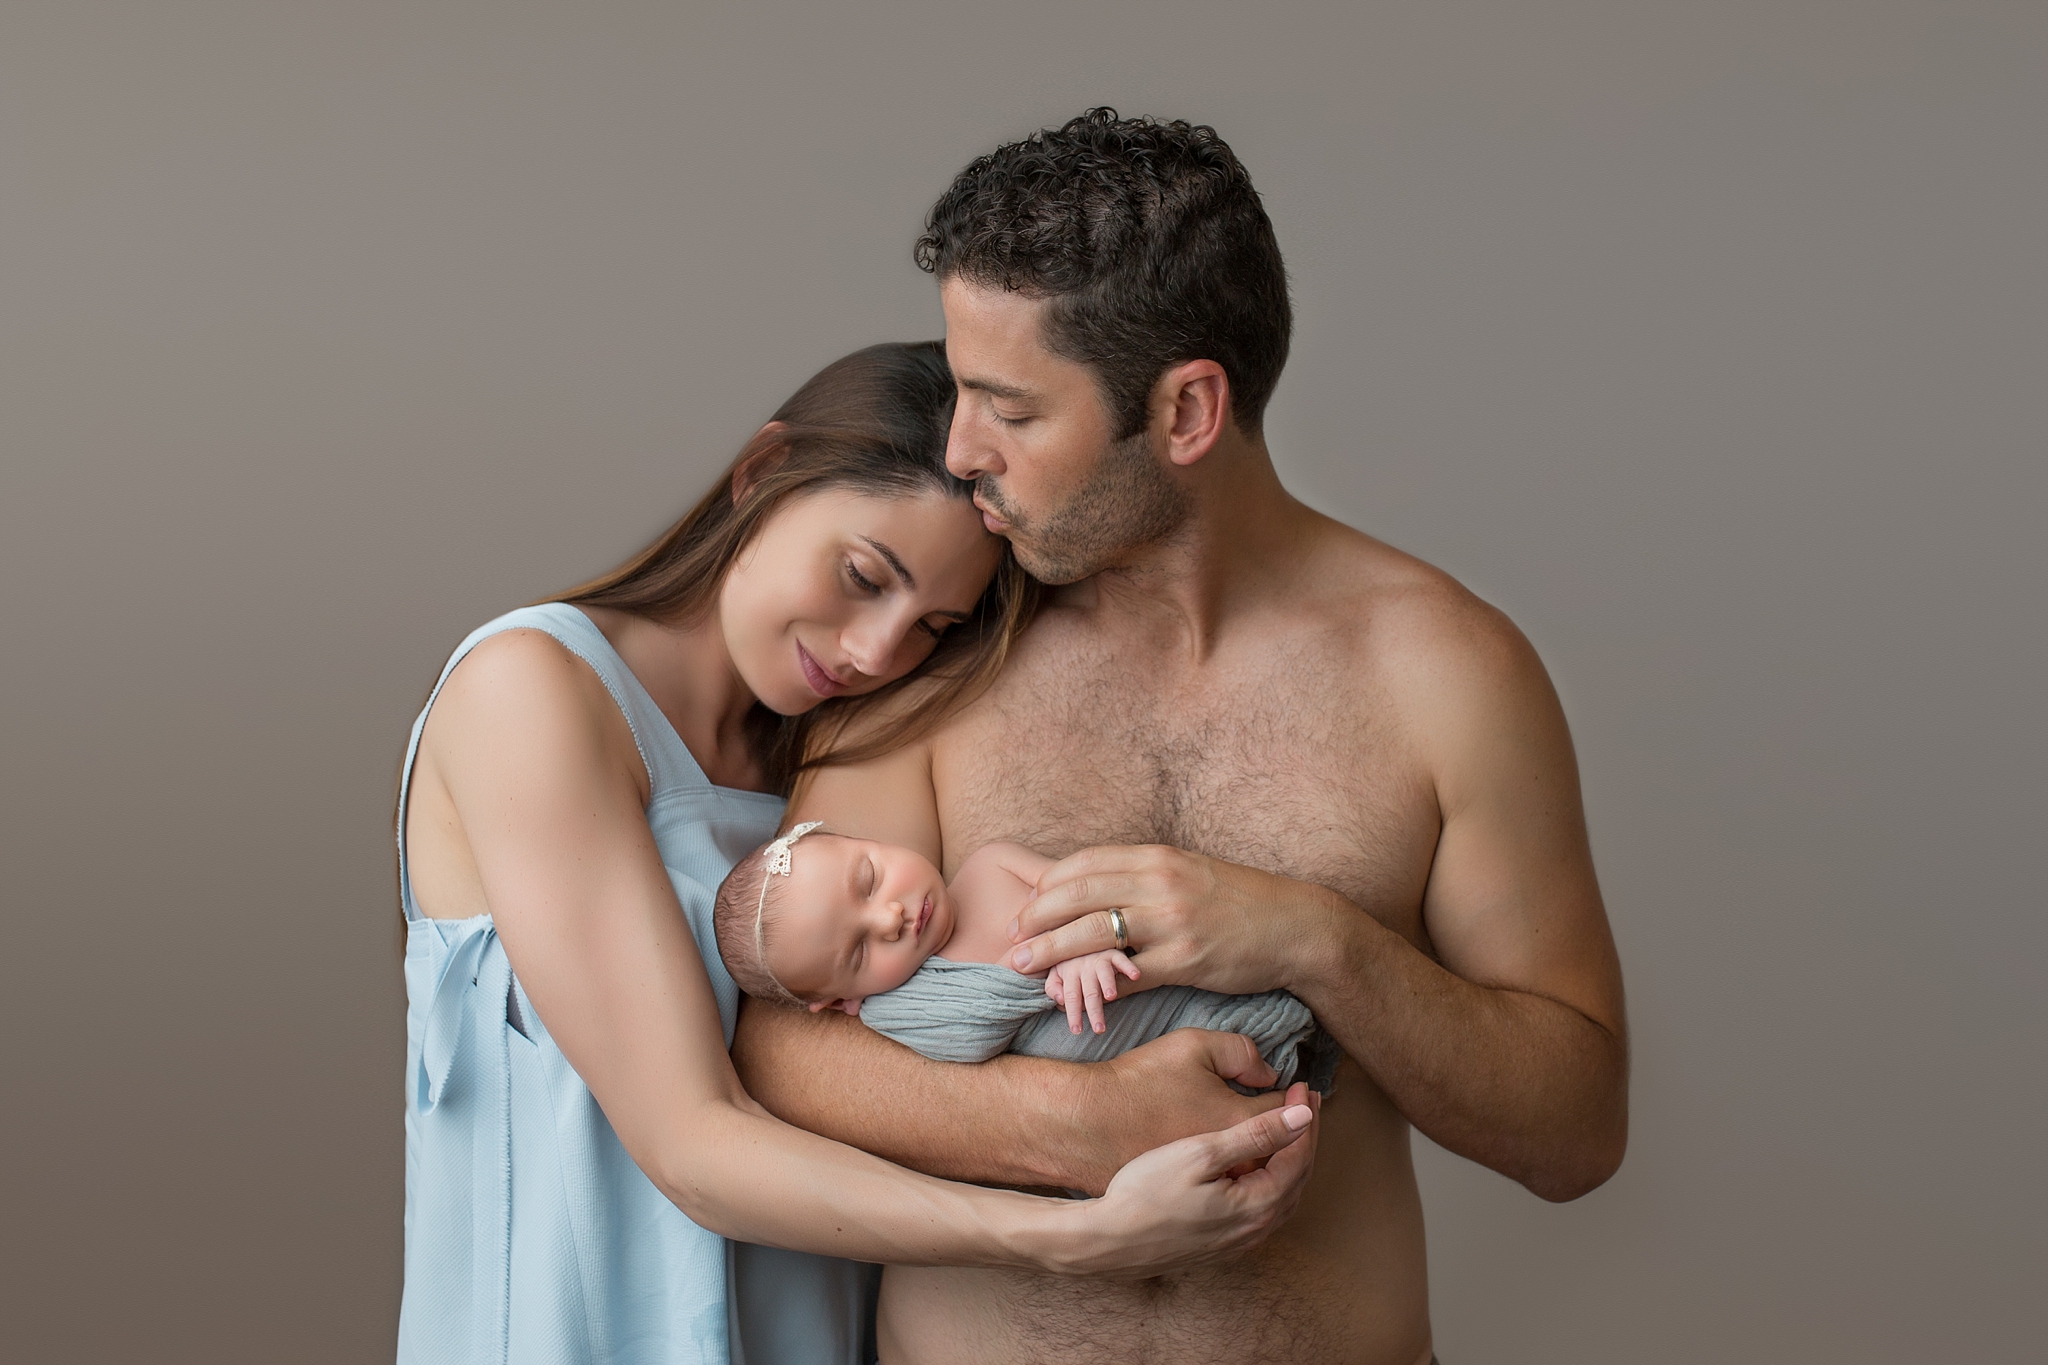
(851, 924)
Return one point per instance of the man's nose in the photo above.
(968, 453)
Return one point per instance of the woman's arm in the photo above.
(528, 746)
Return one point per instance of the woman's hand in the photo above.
(1203, 1198)
(1083, 983)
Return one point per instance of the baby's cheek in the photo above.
(898, 973)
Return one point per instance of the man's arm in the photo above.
(1513, 1051)
(1008, 1121)
(1509, 1047)
(1012, 1120)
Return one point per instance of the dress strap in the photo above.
(667, 759)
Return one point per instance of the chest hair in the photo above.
(1270, 761)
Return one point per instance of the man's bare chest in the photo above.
(1277, 768)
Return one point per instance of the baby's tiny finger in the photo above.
(1092, 993)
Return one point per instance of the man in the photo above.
(1286, 754)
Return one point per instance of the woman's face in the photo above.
(842, 592)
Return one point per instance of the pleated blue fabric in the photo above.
(530, 1235)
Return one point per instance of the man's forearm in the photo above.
(1523, 1084)
(1008, 1121)
(994, 1123)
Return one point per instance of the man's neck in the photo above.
(1245, 540)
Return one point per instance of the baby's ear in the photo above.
(852, 1006)
(817, 1005)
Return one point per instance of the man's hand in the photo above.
(1171, 1088)
(1008, 1121)
(1194, 921)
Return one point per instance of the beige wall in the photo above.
(1706, 339)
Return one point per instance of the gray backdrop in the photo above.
(1707, 340)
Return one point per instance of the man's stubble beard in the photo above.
(1127, 502)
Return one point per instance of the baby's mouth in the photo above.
(924, 917)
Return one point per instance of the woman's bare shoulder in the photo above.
(524, 689)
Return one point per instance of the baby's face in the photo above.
(855, 918)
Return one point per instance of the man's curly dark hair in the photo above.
(1148, 239)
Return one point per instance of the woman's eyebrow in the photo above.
(902, 570)
(909, 581)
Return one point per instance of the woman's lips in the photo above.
(823, 683)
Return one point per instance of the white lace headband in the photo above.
(778, 858)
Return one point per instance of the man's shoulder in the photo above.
(1401, 612)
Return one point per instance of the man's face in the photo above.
(1033, 431)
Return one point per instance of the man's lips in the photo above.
(994, 521)
(823, 683)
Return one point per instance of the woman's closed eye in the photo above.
(862, 581)
(935, 629)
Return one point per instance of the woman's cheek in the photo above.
(917, 646)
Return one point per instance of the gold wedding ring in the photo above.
(1121, 927)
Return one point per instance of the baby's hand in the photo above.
(1085, 982)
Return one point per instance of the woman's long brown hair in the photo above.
(874, 422)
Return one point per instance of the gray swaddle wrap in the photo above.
(972, 1011)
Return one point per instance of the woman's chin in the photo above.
(788, 701)
(796, 705)
(796, 698)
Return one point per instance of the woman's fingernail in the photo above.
(1021, 959)
(1296, 1116)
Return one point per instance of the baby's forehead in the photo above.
(823, 861)
(826, 847)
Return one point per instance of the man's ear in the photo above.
(1195, 395)
(749, 471)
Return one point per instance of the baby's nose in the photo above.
(896, 921)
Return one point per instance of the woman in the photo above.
(585, 773)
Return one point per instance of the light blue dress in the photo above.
(530, 1235)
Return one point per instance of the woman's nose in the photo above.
(871, 644)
